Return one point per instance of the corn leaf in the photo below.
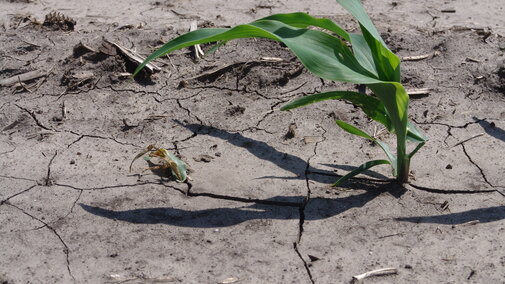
(387, 63)
(359, 45)
(416, 149)
(360, 169)
(396, 101)
(363, 53)
(324, 55)
(356, 131)
(304, 20)
(414, 134)
(370, 105)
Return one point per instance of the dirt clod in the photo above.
(57, 21)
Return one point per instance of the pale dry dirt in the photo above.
(261, 208)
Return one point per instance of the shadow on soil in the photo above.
(263, 151)
(491, 129)
(483, 215)
(223, 217)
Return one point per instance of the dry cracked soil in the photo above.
(260, 207)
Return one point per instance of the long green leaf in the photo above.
(356, 9)
(359, 45)
(370, 105)
(304, 20)
(360, 169)
(373, 107)
(416, 149)
(396, 101)
(356, 131)
(324, 55)
(414, 134)
(387, 63)
(363, 53)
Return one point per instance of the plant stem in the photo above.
(403, 160)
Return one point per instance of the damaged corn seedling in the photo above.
(177, 167)
(331, 53)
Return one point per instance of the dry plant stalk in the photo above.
(377, 272)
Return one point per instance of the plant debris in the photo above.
(377, 272)
(58, 21)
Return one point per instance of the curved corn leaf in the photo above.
(416, 149)
(304, 20)
(356, 9)
(387, 63)
(359, 45)
(356, 131)
(324, 55)
(414, 134)
(370, 105)
(363, 53)
(396, 101)
(360, 169)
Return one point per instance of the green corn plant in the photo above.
(331, 53)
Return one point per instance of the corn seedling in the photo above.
(177, 167)
(331, 53)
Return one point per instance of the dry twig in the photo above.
(421, 57)
(22, 77)
(419, 92)
(198, 52)
(133, 56)
(468, 139)
(377, 272)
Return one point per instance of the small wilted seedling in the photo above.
(326, 53)
(177, 167)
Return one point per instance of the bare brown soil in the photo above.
(261, 208)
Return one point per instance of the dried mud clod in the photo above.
(234, 111)
(74, 79)
(58, 21)
(496, 79)
(501, 79)
(291, 131)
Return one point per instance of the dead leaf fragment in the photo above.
(229, 280)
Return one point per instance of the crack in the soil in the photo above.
(19, 178)
(234, 198)
(304, 204)
(305, 264)
(443, 191)
(244, 90)
(34, 117)
(7, 152)
(81, 136)
(104, 187)
(483, 175)
(66, 250)
(176, 99)
(307, 183)
(449, 127)
(6, 200)
(47, 180)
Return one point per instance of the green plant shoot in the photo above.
(331, 53)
